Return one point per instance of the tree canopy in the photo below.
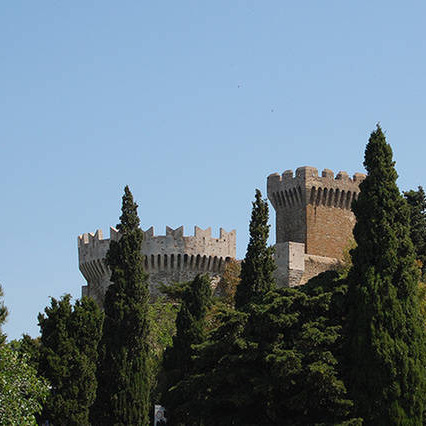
(3, 316)
(417, 206)
(123, 370)
(68, 356)
(178, 359)
(385, 343)
(257, 268)
(22, 392)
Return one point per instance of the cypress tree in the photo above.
(220, 388)
(417, 204)
(123, 370)
(386, 344)
(67, 358)
(257, 268)
(178, 362)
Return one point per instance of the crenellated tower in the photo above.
(168, 258)
(314, 220)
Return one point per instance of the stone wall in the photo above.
(314, 225)
(168, 258)
(328, 230)
(314, 265)
(290, 262)
(315, 211)
(295, 267)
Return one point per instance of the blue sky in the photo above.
(191, 103)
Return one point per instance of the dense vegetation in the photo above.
(22, 392)
(348, 348)
(67, 356)
(386, 339)
(123, 368)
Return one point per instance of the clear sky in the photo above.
(192, 104)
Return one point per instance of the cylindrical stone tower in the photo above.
(168, 258)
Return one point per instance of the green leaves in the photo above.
(385, 336)
(129, 220)
(22, 393)
(273, 363)
(3, 315)
(67, 358)
(258, 266)
(178, 359)
(124, 366)
(417, 205)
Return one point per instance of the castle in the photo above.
(168, 258)
(314, 221)
(314, 225)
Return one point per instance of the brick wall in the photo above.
(328, 230)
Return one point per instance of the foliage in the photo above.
(227, 286)
(214, 388)
(175, 291)
(274, 363)
(123, 371)
(422, 297)
(31, 348)
(162, 316)
(258, 266)
(386, 343)
(346, 260)
(3, 315)
(417, 205)
(190, 330)
(306, 385)
(67, 356)
(21, 392)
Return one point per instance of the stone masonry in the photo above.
(314, 221)
(314, 225)
(168, 258)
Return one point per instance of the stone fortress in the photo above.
(314, 225)
(168, 258)
(314, 221)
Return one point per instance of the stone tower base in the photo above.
(295, 267)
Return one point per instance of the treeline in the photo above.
(347, 348)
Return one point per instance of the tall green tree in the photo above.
(218, 390)
(67, 358)
(417, 204)
(386, 342)
(178, 362)
(22, 392)
(123, 370)
(3, 316)
(257, 268)
(275, 363)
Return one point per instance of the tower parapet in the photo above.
(314, 210)
(167, 258)
(306, 187)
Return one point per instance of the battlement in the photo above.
(167, 258)
(314, 210)
(201, 242)
(307, 187)
(308, 173)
